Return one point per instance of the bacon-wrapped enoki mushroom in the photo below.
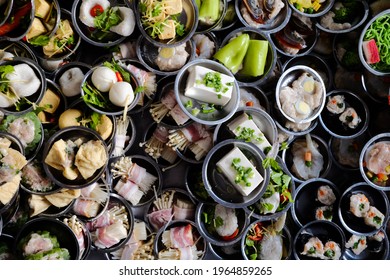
(154, 146)
(90, 201)
(168, 106)
(162, 211)
(78, 230)
(195, 136)
(139, 246)
(110, 228)
(128, 170)
(121, 136)
(180, 244)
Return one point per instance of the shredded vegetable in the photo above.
(379, 30)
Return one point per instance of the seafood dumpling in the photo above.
(313, 248)
(90, 157)
(70, 81)
(378, 158)
(270, 204)
(359, 205)
(325, 195)
(86, 8)
(336, 104)
(350, 118)
(230, 222)
(357, 244)
(23, 80)
(374, 217)
(170, 59)
(324, 213)
(332, 251)
(271, 247)
(307, 159)
(205, 48)
(127, 25)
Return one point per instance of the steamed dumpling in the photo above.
(70, 81)
(23, 80)
(90, 157)
(127, 25)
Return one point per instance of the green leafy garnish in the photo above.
(377, 220)
(207, 108)
(114, 66)
(312, 250)
(94, 97)
(109, 18)
(329, 254)
(39, 41)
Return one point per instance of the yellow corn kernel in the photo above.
(316, 6)
(369, 174)
(387, 169)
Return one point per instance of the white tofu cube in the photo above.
(225, 165)
(245, 122)
(196, 88)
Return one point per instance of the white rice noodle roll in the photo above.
(85, 10)
(127, 25)
(23, 80)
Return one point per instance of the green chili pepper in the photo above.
(198, 3)
(233, 53)
(255, 58)
(209, 11)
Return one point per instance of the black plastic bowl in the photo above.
(34, 98)
(324, 230)
(354, 224)
(72, 133)
(64, 234)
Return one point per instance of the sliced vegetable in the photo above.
(209, 11)
(255, 58)
(233, 53)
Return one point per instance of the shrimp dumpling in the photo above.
(350, 118)
(271, 247)
(313, 248)
(23, 80)
(332, 251)
(357, 244)
(359, 205)
(324, 213)
(85, 10)
(325, 195)
(374, 217)
(336, 104)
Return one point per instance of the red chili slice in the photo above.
(119, 77)
(232, 236)
(96, 10)
(10, 25)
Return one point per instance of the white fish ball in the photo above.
(70, 81)
(127, 25)
(23, 80)
(85, 10)
(120, 92)
(103, 78)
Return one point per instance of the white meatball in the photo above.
(85, 10)
(121, 93)
(103, 78)
(70, 81)
(23, 80)
(127, 25)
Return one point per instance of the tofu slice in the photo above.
(169, 30)
(50, 98)
(37, 28)
(225, 165)
(244, 121)
(173, 7)
(196, 89)
(42, 8)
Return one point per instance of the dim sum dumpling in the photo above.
(90, 157)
